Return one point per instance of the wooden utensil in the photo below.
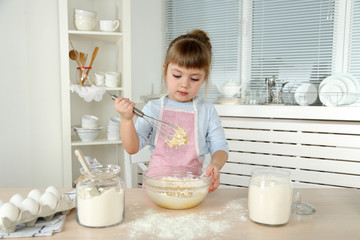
(82, 161)
(74, 55)
(92, 58)
(80, 59)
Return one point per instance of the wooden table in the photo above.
(222, 215)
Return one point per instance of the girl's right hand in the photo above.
(125, 107)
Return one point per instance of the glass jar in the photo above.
(100, 198)
(82, 77)
(270, 196)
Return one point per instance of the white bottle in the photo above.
(270, 196)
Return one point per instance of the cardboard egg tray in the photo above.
(64, 206)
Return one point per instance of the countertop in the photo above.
(222, 215)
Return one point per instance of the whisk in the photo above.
(173, 134)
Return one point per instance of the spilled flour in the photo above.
(182, 226)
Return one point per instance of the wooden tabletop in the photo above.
(222, 215)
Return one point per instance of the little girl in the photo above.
(186, 69)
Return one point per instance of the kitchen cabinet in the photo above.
(114, 55)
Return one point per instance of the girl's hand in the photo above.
(215, 182)
(125, 107)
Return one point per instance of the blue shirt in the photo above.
(210, 131)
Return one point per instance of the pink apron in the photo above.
(186, 155)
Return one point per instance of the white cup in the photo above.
(109, 25)
(99, 78)
(112, 79)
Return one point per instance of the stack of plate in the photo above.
(113, 131)
(339, 89)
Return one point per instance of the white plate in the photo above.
(333, 91)
(332, 94)
(353, 87)
(355, 81)
(306, 94)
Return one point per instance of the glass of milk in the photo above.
(270, 196)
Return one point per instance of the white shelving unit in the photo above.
(114, 55)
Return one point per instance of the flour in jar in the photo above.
(270, 199)
(100, 208)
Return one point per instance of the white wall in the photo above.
(30, 122)
(146, 40)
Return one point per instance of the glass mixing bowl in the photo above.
(176, 187)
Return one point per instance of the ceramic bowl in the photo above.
(176, 187)
(87, 135)
(84, 20)
(89, 122)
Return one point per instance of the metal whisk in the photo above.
(167, 130)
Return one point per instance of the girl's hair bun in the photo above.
(201, 36)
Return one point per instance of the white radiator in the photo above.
(318, 153)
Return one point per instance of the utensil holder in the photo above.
(82, 75)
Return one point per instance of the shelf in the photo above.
(95, 35)
(107, 89)
(115, 56)
(100, 141)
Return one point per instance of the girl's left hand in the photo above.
(215, 182)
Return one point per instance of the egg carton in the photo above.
(46, 210)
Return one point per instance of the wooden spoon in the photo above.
(92, 58)
(74, 55)
(82, 59)
(82, 161)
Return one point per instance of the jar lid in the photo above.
(102, 171)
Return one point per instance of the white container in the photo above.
(229, 89)
(84, 20)
(100, 198)
(113, 136)
(109, 25)
(112, 79)
(87, 135)
(89, 122)
(270, 196)
(113, 130)
(115, 121)
(99, 78)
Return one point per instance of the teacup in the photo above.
(109, 25)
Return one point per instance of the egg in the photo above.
(30, 205)
(9, 211)
(55, 191)
(48, 199)
(17, 199)
(35, 194)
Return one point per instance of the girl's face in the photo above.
(183, 83)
